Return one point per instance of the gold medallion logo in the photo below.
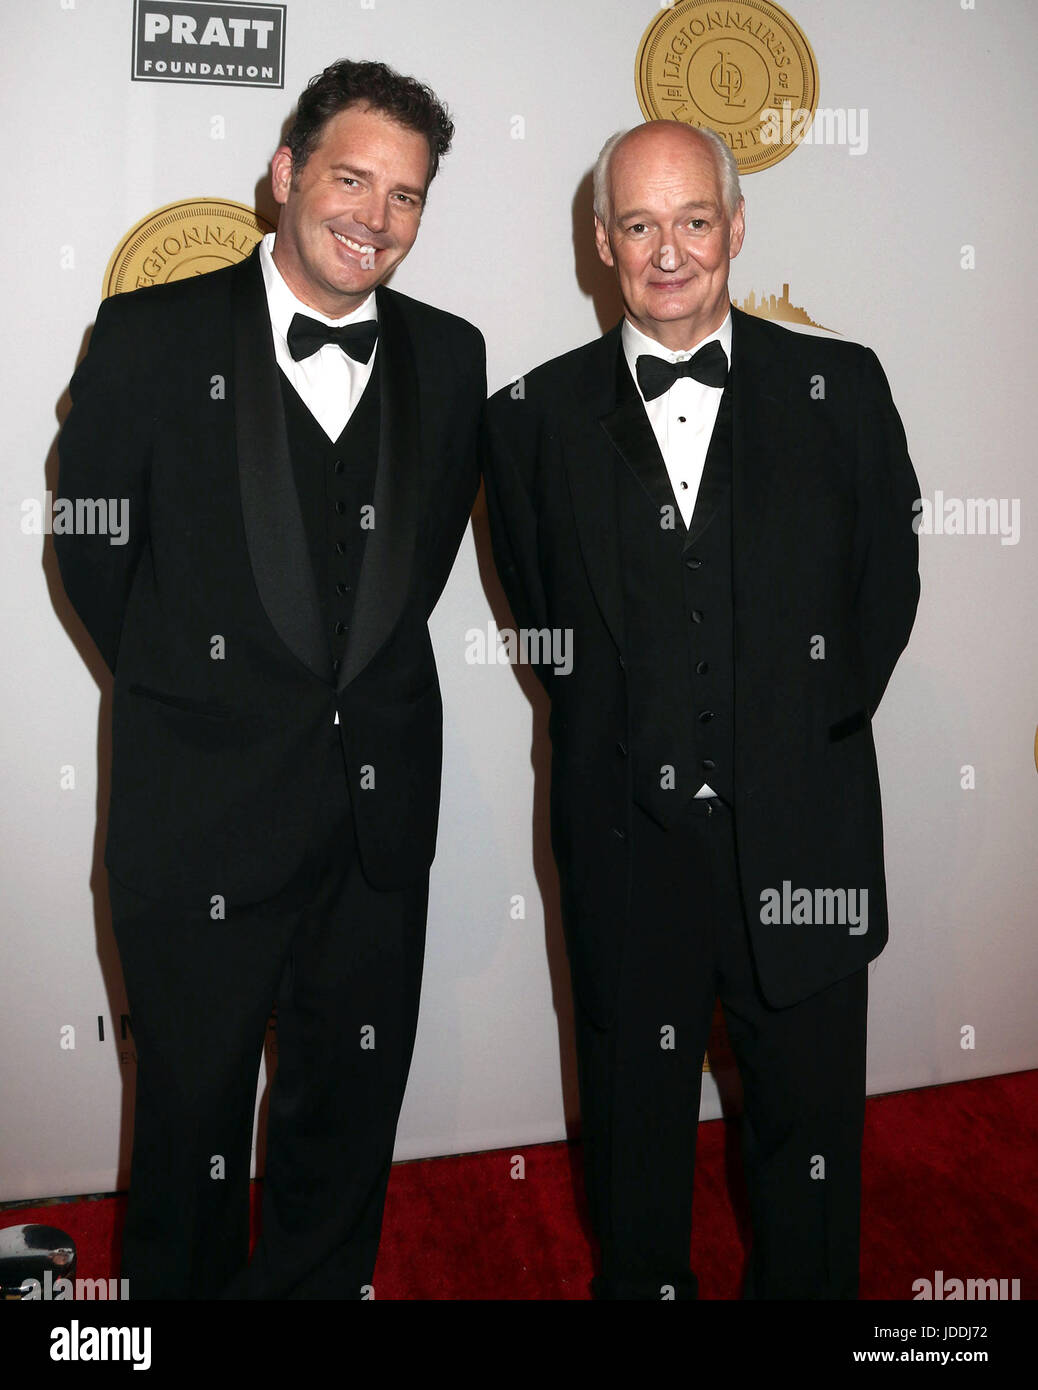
(737, 69)
(183, 239)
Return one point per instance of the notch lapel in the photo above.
(274, 531)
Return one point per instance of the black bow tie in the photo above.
(306, 336)
(655, 375)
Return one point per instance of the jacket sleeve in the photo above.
(104, 451)
(511, 447)
(888, 584)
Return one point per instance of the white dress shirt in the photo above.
(330, 383)
(683, 418)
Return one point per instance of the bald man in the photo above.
(719, 511)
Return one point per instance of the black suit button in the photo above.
(342, 589)
(619, 832)
(708, 764)
(336, 664)
(706, 716)
(340, 507)
(340, 628)
(697, 615)
(622, 750)
(693, 564)
(702, 667)
(339, 465)
(340, 549)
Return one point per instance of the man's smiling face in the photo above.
(350, 215)
(668, 234)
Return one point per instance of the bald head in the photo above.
(680, 137)
(666, 222)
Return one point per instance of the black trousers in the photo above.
(802, 1071)
(343, 963)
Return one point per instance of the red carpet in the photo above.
(948, 1185)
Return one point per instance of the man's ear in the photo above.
(281, 174)
(602, 242)
(738, 230)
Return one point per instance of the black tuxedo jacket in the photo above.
(224, 695)
(822, 547)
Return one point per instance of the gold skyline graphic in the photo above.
(779, 307)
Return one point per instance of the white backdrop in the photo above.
(870, 244)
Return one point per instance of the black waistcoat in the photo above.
(678, 621)
(336, 483)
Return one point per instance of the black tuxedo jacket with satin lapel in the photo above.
(177, 407)
(823, 546)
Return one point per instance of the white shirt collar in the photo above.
(283, 304)
(636, 343)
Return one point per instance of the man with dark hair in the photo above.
(344, 84)
(297, 494)
(720, 512)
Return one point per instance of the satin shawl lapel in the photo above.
(274, 530)
(385, 576)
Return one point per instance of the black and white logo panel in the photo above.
(227, 44)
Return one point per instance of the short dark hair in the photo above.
(346, 83)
